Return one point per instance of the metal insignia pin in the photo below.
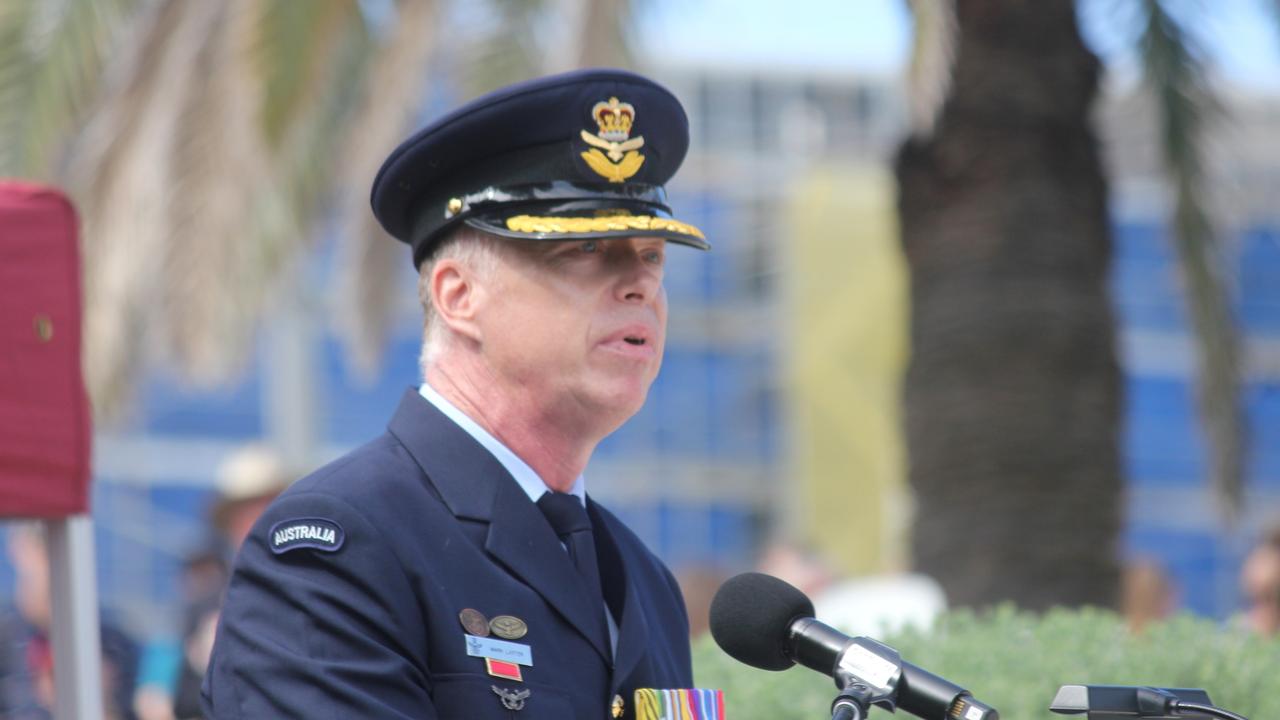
(617, 707)
(474, 622)
(508, 626)
(511, 699)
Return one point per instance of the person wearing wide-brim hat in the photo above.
(247, 481)
(456, 566)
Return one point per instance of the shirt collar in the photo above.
(524, 475)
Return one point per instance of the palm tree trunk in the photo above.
(1013, 389)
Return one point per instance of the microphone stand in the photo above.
(856, 697)
(853, 703)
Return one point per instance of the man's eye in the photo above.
(653, 256)
(589, 246)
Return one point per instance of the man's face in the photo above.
(578, 327)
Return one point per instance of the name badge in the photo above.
(487, 647)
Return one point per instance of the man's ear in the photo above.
(456, 295)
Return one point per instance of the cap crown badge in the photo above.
(614, 118)
(614, 154)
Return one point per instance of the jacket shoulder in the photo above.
(380, 482)
(372, 466)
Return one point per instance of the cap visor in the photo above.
(598, 224)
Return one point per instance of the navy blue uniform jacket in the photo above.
(430, 524)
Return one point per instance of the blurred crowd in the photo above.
(251, 478)
(246, 484)
(1260, 583)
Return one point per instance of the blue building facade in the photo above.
(1171, 519)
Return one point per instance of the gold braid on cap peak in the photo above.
(612, 223)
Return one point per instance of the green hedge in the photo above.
(1016, 661)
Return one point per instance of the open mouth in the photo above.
(632, 340)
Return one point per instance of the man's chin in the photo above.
(623, 400)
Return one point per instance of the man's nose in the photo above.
(638, 279)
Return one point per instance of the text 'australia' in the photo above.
(316, 533)
(305, 532)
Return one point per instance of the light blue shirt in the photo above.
(528, 480)
(524, 475)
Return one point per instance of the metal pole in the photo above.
(77, 651)
(289, 391)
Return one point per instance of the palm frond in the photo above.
(51, 55)
(212, 284)
(15, 67)
(68, 44)
(368, 257)
(119, 173)
(305, 152)
(200, 143)
(1175, 73)
(256, 159)
(294, 50)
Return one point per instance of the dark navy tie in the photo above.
(568, 518)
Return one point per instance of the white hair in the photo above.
(473, 248)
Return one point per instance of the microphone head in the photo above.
(751, 618)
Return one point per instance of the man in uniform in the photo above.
(455, 567)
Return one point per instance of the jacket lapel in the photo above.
(633, 631)
(474, 485)
(521, 539)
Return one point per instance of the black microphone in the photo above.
(1120, 702)
(764, 622)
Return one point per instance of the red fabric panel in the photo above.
(44, 411)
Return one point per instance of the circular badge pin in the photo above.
(474, 622)
(509, 627)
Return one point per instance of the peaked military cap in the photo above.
(584, 154)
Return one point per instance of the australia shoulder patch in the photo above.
(316, 533)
